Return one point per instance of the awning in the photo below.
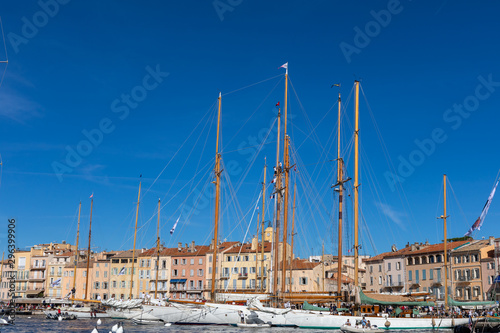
(497, 279)
(178, 280)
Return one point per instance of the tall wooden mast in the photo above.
(257, 251)
(340, 190)
(135, 237)
(217, 203)
(444, 216)
(262, 237)
(286, 161)
(76, 252)
(293, 229)
(88, 251)
(157, 248)
(356, 185)
(277, 175)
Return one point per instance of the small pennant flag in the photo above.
(175, 225)
(122, 271)
(56, 283)
(92, 195)
(278, 104)
(273, 181)
(285, 65)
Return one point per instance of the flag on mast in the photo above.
(92, 195)
(175, 225)
(479, 222)
(285, 65)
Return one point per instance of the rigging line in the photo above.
(182, 167)
(253, 113)
(191, 212)
(254, 158)
(315, 136)
(182, 145)
(459, 207)
(403, 197)
(248, 147)
(246, 233)
(6, 55)
(253, 84)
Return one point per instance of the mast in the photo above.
(1, 268)
(88, 251)
(293, 229)
(257, 251)
(217, 199)
(135, 237)
(262, 237)
(76, 252)
(286, 161)
(356, 184)
(444, 216)
(277, 192)
(323, 261)
(157, 249)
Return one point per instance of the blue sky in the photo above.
(96, 94)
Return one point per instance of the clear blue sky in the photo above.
(139, 77)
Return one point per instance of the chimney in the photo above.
(192, 246)
(186, 246)
(492, 240)
(179, 246)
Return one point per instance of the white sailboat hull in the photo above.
(223, 314)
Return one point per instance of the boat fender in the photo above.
(433, 322)
(453, 322)
(387, 323)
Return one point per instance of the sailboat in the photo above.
(82, 311)
(255, 312)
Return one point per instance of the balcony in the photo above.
(394, 284)
(37, 279)
(194, 289)
(224, 276)
(38, 267)
(243, 276)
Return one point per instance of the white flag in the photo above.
(175, 225)
(479, 222)
(56, 283)
(122, 271)
(285, 65)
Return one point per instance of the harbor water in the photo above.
(39, 324)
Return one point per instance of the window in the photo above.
(371, 269)
(431, 274)
(183, 261)
(114, 284)
(431, 259)
(191, 272)
(380, 268)
(200, 261)
(371, 280)
(439, 258)
(200, 272)
(84, 273)
(303, 281)
(148, 263)
(475, 274)
(96, 285)
(424, 277)
(410, 275)
(379, 280)
(96, 274)
(104, 285)
(142, 262)
(417, 279)
(398, 265)
(192, 261)
(466, 259)
(183, 272)
(175, 272)
(388, 266)
(105, 274)
(176, 261)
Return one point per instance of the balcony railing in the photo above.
(243, 276)
(394, 284)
